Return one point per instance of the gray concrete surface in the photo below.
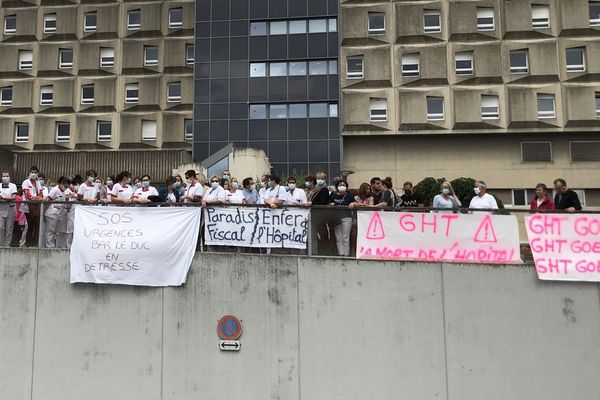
(314, 328)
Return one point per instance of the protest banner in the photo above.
(256, 227)
(462, 238)
(134, 246)
(565, 247)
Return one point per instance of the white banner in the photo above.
(134, 245)
(256, 227)
(565, 247)
(462, 238)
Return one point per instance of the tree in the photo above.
(428, 188)
(463, 187)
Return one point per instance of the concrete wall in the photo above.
(314, 328)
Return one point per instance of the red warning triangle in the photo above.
(486, 233)
(375, 230)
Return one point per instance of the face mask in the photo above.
(291, 186)
(446, 191)
(477, 191)
(146, 184)
(109, 183)
(33, 175)
(408, 192)
(342, 189)
(176, 184)
(42, 182)
(263, 185)
(91, 179)
(138, 185)
(307, 184)
(128, 180)
(6, 179)
(214, 185)
(320, 182)
(235, 185)
(226, 177)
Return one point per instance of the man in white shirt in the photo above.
(88, 191)
(32, 191)
(194, 190)
(295, 196)
(482, 199)
(8, 210)
(275, 195)
(264, 185)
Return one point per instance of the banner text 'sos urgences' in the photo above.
(565, 247)
(462, 238)
(256, 227)
(135, 245)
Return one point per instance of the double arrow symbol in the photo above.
(229, 345)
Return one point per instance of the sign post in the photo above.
(229, 330)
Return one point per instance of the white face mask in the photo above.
(342, 189)
(446, 191)
(6, 179)
(42, 182)
(320, 182)
(291, 186)
(33, 175)
(477, 191)
(263, 184)
(146, 184)
(214, 185)
(235, 185)
(109, 183)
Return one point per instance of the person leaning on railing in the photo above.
(8, 210)
(194, 190)
(249, 191)
(275, 195)
(56, 214)
(215, 194)
(447, 198)
(389, 197)
(364, 198)
(146, 193)
(122, 190)
(541, 200)
(342, 220)
(233, 194)
(565, 198)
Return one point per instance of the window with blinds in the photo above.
(536, 152)
(585, 151)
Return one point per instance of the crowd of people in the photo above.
(20, 207)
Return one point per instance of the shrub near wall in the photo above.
(428, 188)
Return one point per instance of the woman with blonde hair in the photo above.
(447, 198)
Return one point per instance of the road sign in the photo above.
(230, 345)
(229, 328)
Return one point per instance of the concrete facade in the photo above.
(313, 328)
(96, 76)
(504, 91)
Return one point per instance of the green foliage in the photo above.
(428, 188)
(463, 187)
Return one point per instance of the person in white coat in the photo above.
(295, 196)
(215, 194)
(56, 214)
(142, 194)
(8, 210)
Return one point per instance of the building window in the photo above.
(133, 20)
(432, 21)
(258, 70)
(376, 23)
(597, 96)
(435, 108)
(585, 151)
(258, 111)
(594, 13)
(104, 130)
(188, 129)
(354, 67)
(21, 132)
(318, 110)
(175, 17)
(317, 25)
(49, 23)
(464, 63)
(297, 111)
(536, 152)
(490, 107)
(575, 59)
(258, 29)
(410, 65)
(278, 69)
(317, 68)
(63, 131)
(107, 57)
(65, 58)
(6, 95)
(540, 16)
(297, 27)
(546, 106)
(378, 110)
(90, 21)
(333, 111)
(174, 92)
(132, 91)
(10, 25)
(150, 56)
(485, 19)
(278, 28)
(521, 197)
(189, 53)
(297, 68)
(25, 59)
(278, 111)
(148, 130)
(46, 95)
(332, 24)
(519, 62)
(87, 94)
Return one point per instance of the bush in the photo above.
(463, 187)
(428, 188)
